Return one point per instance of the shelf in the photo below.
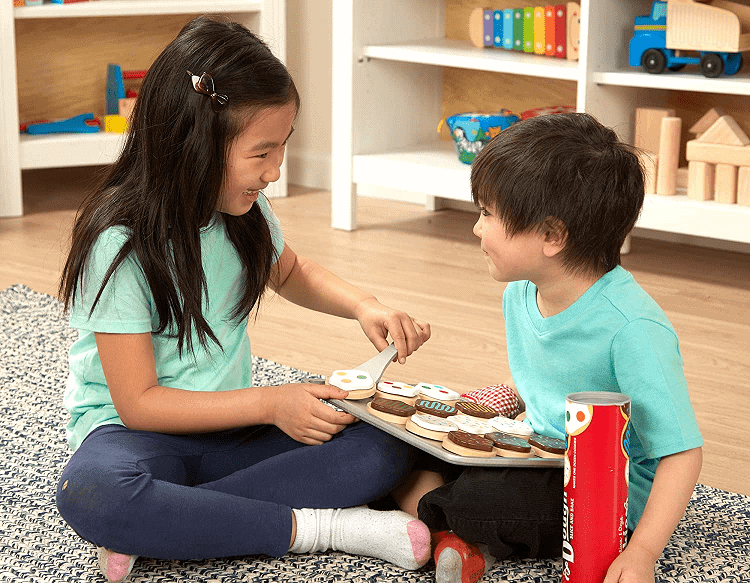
(738, 84)
(680, 214)
(453, 53)
(431, 168)
(64, 150)
(97, 8)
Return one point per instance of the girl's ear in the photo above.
(555, 236)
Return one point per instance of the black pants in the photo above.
(516, 512)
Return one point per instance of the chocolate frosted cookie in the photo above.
(476, 409)
(544, 446)
(509, 445)
(437, 408)
(468, 444)
(391, 410)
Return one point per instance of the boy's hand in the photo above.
(634, 565)
(298, 412)
(378, 321)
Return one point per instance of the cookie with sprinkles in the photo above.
(401, 391)
(430, 426)
(548, 447)
(509, 445)
(476, 409)
(468, 444)
(472, 424)
(512, 426)
(359, 383)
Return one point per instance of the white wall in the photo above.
(309, 61)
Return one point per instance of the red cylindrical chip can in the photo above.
(595, 498)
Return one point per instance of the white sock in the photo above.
(393, 536)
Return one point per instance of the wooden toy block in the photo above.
(539, 41)
(706, 121)
(650, 164)
(549, 31)
(497, 28)
(700, 180)
(725, 184)
(648, 126)
(669, 156)
(725, 130)
(476, 27)
(573, 35)
(125, 106)
(743, 186)
(717, 153)
(682, 177)
(528, 30)
(508, 19)
(518, 29)
(561, 23)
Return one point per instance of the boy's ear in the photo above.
(555, 236)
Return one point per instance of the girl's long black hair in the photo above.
(165, 186)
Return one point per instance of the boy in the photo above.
(557, 196)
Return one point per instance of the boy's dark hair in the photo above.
(167, 182)
(563, 170)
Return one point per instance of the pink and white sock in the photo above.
(115, 566)
(394, 536)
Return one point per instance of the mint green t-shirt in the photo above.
(614, 338)
(127, 307)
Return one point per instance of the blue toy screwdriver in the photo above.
(85, 123)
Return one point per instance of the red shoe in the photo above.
(462, 563)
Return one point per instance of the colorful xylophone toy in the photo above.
(553, 31)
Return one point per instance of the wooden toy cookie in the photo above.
(391, 410)
(468, 444)
(400, 391)
(547, 447)
(437, 408)
(509, 445)
(438, 393)
(476, 409)
(358, 382)
(472, 424)
(429, 426)
(511, 426)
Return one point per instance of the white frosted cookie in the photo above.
(438, 393)
(511, 426)
(430, 426)
(358, 382)
(401, 391)
(472, 425)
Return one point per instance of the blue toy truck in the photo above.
(675, 34)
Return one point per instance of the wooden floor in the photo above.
(429, 264)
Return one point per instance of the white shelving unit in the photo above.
(19, 152)
(388, 62)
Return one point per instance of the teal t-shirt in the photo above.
(127, 307)
(614, 338)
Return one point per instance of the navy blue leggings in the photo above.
(220, 494)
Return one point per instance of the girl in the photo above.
(177, 455)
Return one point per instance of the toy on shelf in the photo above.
(686, 32)
(119, 100)
(554, 31)
(85, 123)
(66, 1)
(537, 111)
(472, 131)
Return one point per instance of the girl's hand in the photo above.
(633, 565)
(378, 321)
(297, 411)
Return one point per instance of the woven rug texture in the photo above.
(711, 543)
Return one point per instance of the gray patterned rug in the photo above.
(712, 543)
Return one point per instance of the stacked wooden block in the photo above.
(718, 158)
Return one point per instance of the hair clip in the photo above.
(205, 84)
